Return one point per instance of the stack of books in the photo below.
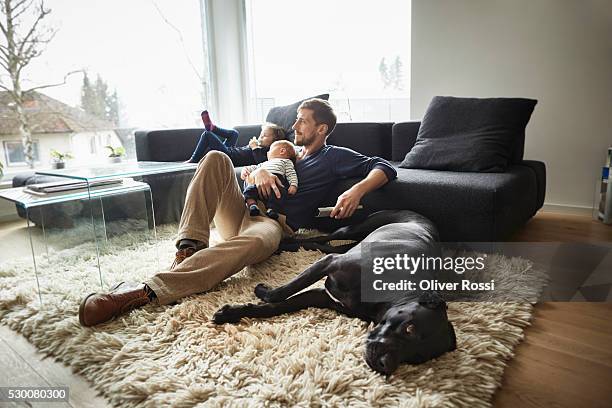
(605, 201)
(71, 186)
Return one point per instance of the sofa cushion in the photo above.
(470, 134)
(464, 206)
(371, 139)
(285, 116)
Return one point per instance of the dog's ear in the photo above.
(431, 300)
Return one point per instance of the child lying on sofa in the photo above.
(224, 140)
(281, 160)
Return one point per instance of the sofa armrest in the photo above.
(539, 169)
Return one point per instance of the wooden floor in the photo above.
(564, 361)
(566, 357)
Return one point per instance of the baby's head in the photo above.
(282, 149)
(269, 134)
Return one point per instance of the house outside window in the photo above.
(13, 152)
(356, 52)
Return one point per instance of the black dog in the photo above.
(411, 328)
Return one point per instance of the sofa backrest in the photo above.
(371, 139)
(403, 137)
(166, 145)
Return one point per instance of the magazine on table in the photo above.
(42, 189)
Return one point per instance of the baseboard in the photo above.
(568, 209)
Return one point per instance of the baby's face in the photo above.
(266, 137)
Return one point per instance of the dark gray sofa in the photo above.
(464, 206)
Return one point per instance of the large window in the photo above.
(145, 66)
(357, 50)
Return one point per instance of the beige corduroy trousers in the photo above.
(214, 193)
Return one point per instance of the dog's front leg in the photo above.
(309, 276)
(313, 298)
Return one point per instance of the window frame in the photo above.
(35, 148)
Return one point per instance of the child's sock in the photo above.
(253, 210)
(272, 214)
(208, 125)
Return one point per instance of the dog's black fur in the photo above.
(412, 328)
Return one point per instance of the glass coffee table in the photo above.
(125, 198)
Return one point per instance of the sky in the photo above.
(155, 68)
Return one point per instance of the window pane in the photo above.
(356, 50)
(14, 152)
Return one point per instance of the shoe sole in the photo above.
(82, 305)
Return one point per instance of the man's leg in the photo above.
(213, 193)
(258, 238)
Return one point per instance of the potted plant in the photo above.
(116, 153)
(59, 159)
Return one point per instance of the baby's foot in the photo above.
(208, 125)
(272, 214)
(253, 210)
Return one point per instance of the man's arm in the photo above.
(349, 200)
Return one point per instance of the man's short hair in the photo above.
(322, 112)
(277, 131)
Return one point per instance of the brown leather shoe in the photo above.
(181, 255)
(98, 308)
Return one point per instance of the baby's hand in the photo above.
(253, 144)
(292, 190)
(244, 173)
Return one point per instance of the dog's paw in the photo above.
(228, 314)
(263, 292)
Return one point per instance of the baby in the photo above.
(281, 160)
(224, 140)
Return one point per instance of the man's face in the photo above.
(306, 130)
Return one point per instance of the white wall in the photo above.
(556, 51)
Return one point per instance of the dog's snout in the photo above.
(384, 364)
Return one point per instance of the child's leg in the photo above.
(230, 136)
(208, 141)
(208, 125)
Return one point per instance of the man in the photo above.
(214, 193)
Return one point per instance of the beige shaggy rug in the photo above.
(162, 356)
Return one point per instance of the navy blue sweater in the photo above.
(319, 172)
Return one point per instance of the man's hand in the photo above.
(253, 143)
(347, 203)
(266, 183)
(292, 190)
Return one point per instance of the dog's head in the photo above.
(411, 331)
